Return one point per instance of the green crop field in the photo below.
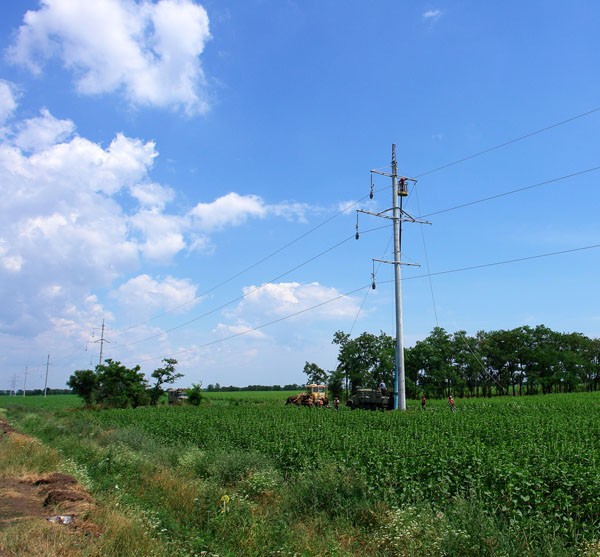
(502, 476)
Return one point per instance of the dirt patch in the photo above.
(54, 497)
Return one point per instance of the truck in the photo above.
(177, 396)
(371, 399)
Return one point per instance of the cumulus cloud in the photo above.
(152, 195)
(8, 101)
(148, 51)
(275, 300)
(229, 210)
(62, 233)
(143, 295)
(42, 132)
(234, 209)
(162, 234)
(223, 330)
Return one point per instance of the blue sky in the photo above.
(190, 172)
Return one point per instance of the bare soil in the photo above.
(54, 497)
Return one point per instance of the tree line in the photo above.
(524, 360)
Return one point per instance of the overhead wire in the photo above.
(442, 167)
(354, 291)
(289, 244)
(509, 142)
(537, 185)
(250, 267)
(248, 293)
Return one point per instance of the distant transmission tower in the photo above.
(101, 340)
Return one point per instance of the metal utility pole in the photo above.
(101, 340)
(46, 381)
(25, 380)
(399, 192)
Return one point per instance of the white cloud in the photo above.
(42, 132)
(8, 101)
(223, 330)
(234, 209)
(152, 195)
(432, 15)
(229, 210)
(274, 300)
(162, 234)
(143, 295)
(149, 51)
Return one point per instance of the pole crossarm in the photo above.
(397, 263)
(404, 216)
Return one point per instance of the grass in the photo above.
(247, 476)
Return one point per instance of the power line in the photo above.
(323, 223)
(305, 310)
(222, 306)
(544, 183)
(504, 262)
(509, 142)
(250, 267)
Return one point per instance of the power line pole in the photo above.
(399, 215)
(46, 381)
(101, 340)
(25, 380)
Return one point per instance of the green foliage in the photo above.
(111, 385)
(163, 376)
(119, 386)
(315, 374)
(195, 394)
(502, 476)
(84, 383)
(524, 360)
(366, 360)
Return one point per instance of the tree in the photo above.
(315, 374)
(119, 386)
(195, 394)
(366, 360)
(84, 383)
(163, 375)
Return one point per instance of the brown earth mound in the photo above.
(55, 497)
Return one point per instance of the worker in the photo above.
(383, 388)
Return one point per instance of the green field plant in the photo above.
(237, 476)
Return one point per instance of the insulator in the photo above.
(371, 194)
(373, 285)
(357, 235)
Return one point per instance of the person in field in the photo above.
(423, 402)
(451, 403)
(383, 388)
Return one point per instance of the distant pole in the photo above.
(101, 343)
(101, 340)
(46, 381)
(399, 376)
(25, 381)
